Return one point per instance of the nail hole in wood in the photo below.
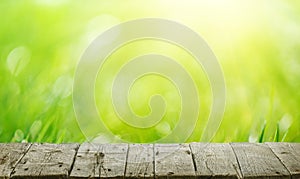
(170, 173)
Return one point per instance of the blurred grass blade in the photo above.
(18, 137)
(44, 130)
(17, 59)
(261, 136)
(63, 87)
(61, 136)
(284, 136)
(35, 129)
(276, 136)
(284, 125)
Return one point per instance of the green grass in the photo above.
(257, 44)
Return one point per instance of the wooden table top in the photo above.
(193, 160)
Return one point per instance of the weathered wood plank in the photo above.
(289, 155)
(140, 161)
(113, 160)
(46, 161)
(10, 155)
(100, 160)
(173, 161)
(87, 162)
(215, 160)
(258, 161)
(270, 160)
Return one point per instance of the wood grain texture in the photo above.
(113, 160)
(10, 155)
(140, 161)
(100, 161)
(215, 160)
(258, 161)
(173, 161)
(289, 155)
(87, 162)
(195, 160)
(46, 161)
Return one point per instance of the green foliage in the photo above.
(257, 44)
(261, 136)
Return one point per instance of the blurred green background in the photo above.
(257, 43)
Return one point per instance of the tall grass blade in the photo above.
(261, 136)
(276, 135)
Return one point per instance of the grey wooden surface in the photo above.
(46, 160)
(216, 160)
(87, 162)
(195, 160)
(10, 156)
(289, 155)
(173, 161)
(113, 160)
(258, 161)
(140, 161)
